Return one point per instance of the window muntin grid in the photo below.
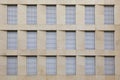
(108, 14)
(12, 14)
(12, 40)
(51, 65)
(70, 40)
(31, 14)
(89, 14)
(12, 67)
(31, 65)
(70, 14)
(51, 14)
(90, 40)
(31, 40)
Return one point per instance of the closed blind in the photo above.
(31, 65)
(90, 65)
(12, 66)
(51, 65)
(109, 14)
(90, 40)
(71, 65)
(109, 65)
(12, 40)
(70, 14)
(109, 40)
(70, 40)
(51, 40)
(51, 14)
(89, 14)
(31, 39)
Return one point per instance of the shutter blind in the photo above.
(12, 14)
(12, 40)
(31, 40)
(11, 65)
(109, 14)
(51, 40)
(89, 14)
(90, 40)
(109, 40)
(31, 65)
(51, 65)
(70, 65)
(90, 65)
(70, 40)
(51, 14)
(109, 66)
(70, 14)
(31, 14)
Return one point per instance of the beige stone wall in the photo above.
(60, 28)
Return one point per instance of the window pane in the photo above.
(11, 65)
(90, 65)
(12, 40)
(109, 66)
(12, 14)
(51, 14)
(51, 65)
(109, 14)
(51, 40)
(109, 40)
(90, 40)
(31, 65)
(31, 14)
(31, 39)
(71, 65)
(89, 14)
(70, 40)
(70, 14)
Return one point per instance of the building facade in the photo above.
(59, 40)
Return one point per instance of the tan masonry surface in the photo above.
(60, 28)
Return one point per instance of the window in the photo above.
(108, 14)
(90, 40)
(70, 40)
(11, 65)
(51, 40)
(31, 65)
(70, 65)
(12, 40)
(31, 14)
(70, 14)
(90, 65)
(109, 65)
(51, 14)
(109, 40)
(31, 39)
(51, 65)
(12, 14)
(90, 14)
